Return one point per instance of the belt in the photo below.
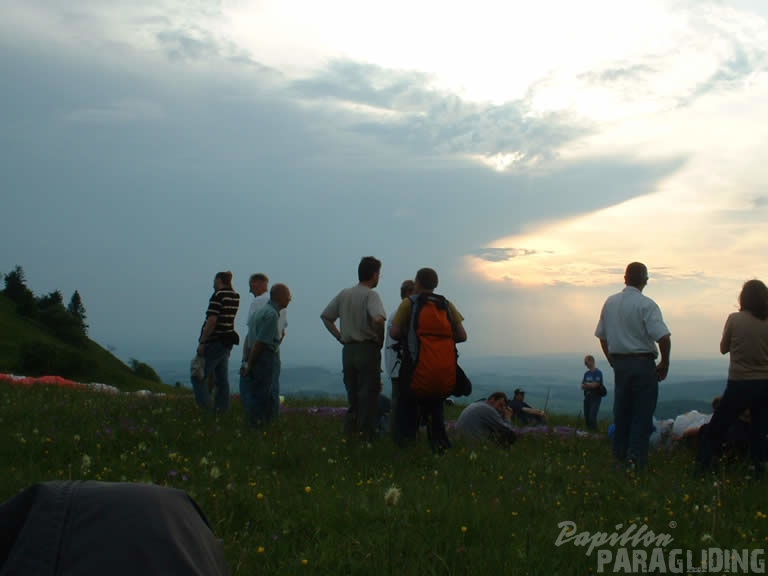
(649, 355)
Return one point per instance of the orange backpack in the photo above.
(430, 353)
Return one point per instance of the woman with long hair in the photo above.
(745, 337)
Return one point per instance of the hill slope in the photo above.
(22, 339)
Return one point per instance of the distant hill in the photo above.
(549, 382)
(22, 338)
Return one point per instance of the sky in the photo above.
(527, 151)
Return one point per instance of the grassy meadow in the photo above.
(296, 498)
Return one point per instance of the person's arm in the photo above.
(400, 320)
(725, 341)
(665, 346)
(331, 327)
(459, 333)
(210, 326)
(604, 346)
(379, 323)
(329, 317)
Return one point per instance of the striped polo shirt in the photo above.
(223, 304)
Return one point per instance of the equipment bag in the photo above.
(431, 351)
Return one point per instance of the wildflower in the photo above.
(472, 456)
(85, 464)
(215, 472)
(260, 549)
(464, 529)
(307, 489)
(259, 496)
(392, 496)
(304, 561)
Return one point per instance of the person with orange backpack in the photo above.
(428, 327)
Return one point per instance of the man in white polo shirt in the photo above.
(629, 329)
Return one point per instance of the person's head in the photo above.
(369, 270)
(589, 362)
(426, 280)
(258, 284)
(519, 394)
(280, 295)
(406, 289)
(636, 275)
(498, 400)
(754, 299)
(222, 280)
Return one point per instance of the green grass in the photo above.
(98, 364)
(297, 498)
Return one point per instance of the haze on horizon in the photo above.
(526, 151)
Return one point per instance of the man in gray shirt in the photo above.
(361, 333)
(488, 420)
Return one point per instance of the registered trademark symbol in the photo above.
(673, 524)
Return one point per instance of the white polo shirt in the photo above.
(631, 323)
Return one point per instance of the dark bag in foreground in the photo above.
(463, 383)
(120, 529)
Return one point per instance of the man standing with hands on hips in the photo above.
(361, 316)
(629, 329)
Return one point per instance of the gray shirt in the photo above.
(357, 307)
(481, 421)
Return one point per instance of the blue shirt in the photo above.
(590, 377)
(264, 327)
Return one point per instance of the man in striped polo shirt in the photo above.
(216, 340)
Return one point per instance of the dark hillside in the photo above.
(26, 347)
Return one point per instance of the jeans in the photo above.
(591, 408)
(256, 390)
(216, 365)
(636, 391)
(362, 379)
(276, 366)
(738, 396)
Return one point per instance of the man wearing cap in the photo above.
(629, 329)
(523, 411)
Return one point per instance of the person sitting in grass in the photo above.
(524, 412)
(488, 420)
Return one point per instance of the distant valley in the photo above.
(549, 381)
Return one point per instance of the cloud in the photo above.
(502, 254)
(427, 121)
(120, 112)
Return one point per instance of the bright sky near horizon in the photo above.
(525, 150)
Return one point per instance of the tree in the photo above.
(77, 310)
(54, 299)
(144, 371)
(16, 289)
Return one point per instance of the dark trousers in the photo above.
(362, 379)
(738, 396)
(592, 401)
(636, 391)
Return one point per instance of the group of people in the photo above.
(420, 354)
(420, 359)
(260, 369)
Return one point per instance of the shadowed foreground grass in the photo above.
(297, 498)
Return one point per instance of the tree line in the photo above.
(67, 323)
